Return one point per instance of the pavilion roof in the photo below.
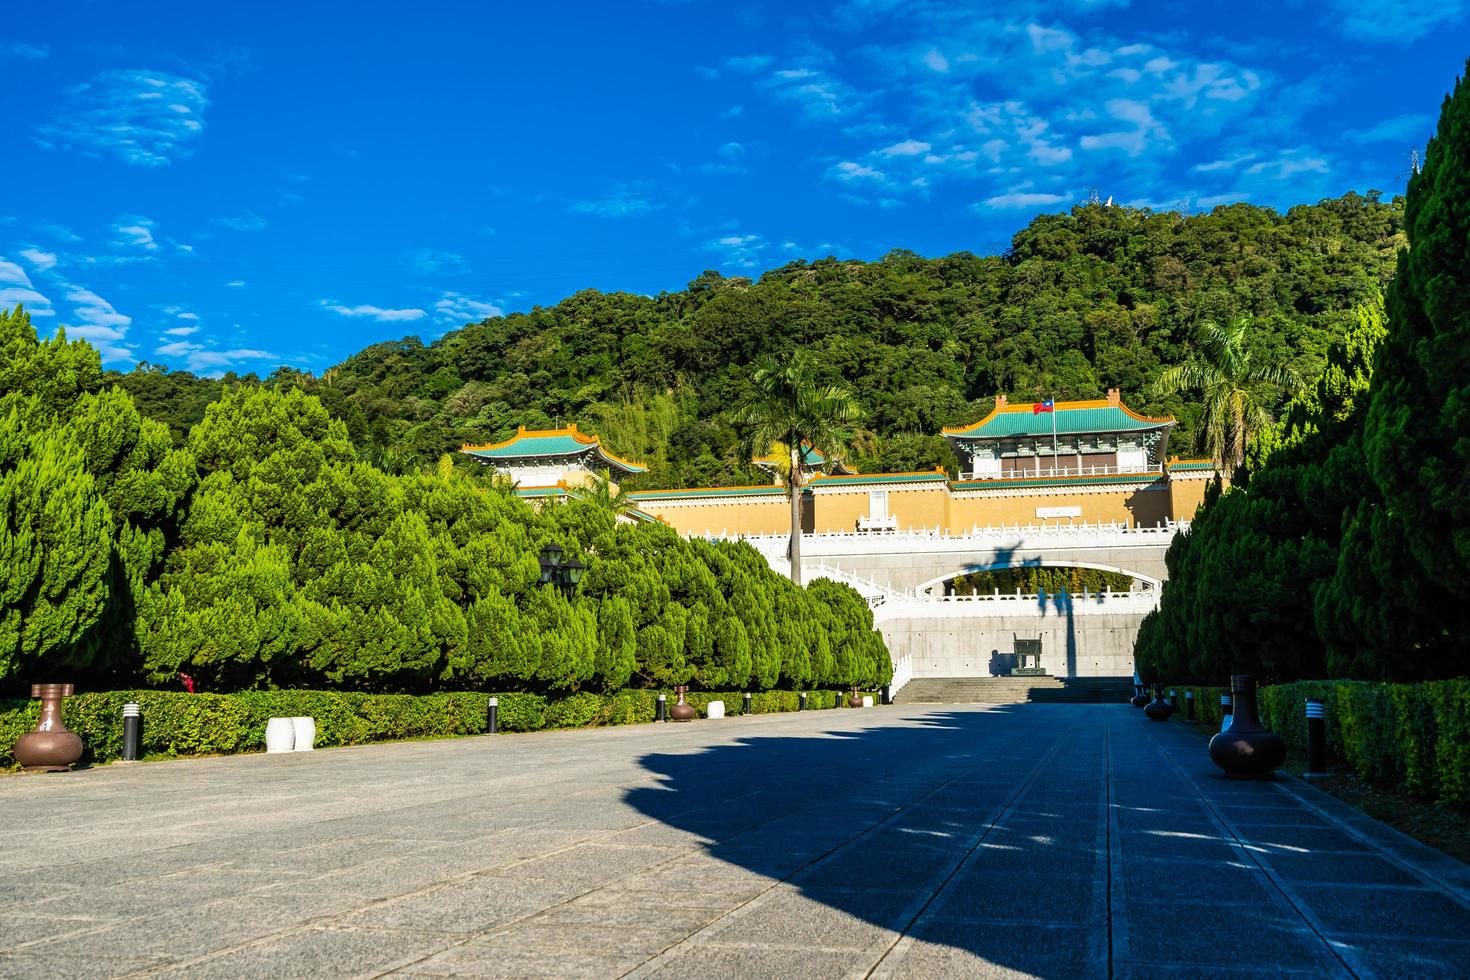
(543, 443)
(1071, 418)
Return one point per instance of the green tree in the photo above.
(1417, 435)
(789, 404)
(1237, 389)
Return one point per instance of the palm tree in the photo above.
(788, 405)
(1236, 389)
(605, 495)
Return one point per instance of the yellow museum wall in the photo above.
(914, 508)
(1187, 496)
(740, 516)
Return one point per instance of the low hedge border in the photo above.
(1408, 738)
(179, 724)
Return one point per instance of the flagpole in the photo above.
(1053, 436)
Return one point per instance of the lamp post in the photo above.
(563, 574)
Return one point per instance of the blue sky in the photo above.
(236, 186)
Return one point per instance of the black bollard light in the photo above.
(663, 708)
(801, 705)
(1174, 699)
(132, 731)
(887, 694)
(1224, 712)
(1316, 739)
(745, 706)
(1189, 707)
(492, 717)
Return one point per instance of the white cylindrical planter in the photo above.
(305, 731)
(867, 700)
(715, 709)
(280, 735)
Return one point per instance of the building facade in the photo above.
(1068, 463)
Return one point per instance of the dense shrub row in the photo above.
(1411, 738)
(178, 724)
(265, 554)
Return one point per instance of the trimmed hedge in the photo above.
(179, 724)
(1409, 738)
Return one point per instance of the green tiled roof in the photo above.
(1191, 466)
(1061, 480)
(550, 442)
(861, 478)
(650, 495)
(1078, 418)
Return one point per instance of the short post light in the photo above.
(661, 713)
(492, 718)
(1174, 698)
(1224, 712)
(1189, 707)
(801, 705)
(1316, 739)
(132, 731)
(745, 704)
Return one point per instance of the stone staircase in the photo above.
(1014, 690)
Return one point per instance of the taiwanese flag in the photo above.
(1045, 406)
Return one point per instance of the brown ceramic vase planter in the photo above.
(683, 711)
(855, 700)
(1246, 748)
(1139, 699)
(1158, 709)
(51, 747)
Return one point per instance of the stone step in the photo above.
(1013, 690)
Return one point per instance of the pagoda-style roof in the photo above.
(859, 479)
(1008, 421)
(812, 458)
(549, 444)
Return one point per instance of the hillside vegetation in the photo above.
(1097, 298)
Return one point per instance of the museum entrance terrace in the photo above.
(918, 562)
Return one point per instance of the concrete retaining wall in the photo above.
(967, 646)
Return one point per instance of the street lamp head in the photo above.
(574, 571)
(551, 554)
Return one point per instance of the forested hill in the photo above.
(1096, 298)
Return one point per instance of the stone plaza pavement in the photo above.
(937, 841)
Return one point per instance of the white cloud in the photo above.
(458, 308)
(209, 360)
(936, 61)
(181, 331)
(99, 323)
(373, 312)
(21, 51)
(249, 221)
(1414, 128)
(236, 284)
(749, 63)
(36, 304)
(1291, 163)
(737, 251)
(145, 118)
(849, 171)
(1379, 21)
(907, 148)
(135, 232)
(40, 259)
(626, 201)
(429, 262)
(731, 151)
(1022, 199)
(12, 273)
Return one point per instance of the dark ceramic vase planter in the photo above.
(1139, 699)
(51, 747)
(1158, 709)
(1246, 748)
(855, 700)
(683, 711)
